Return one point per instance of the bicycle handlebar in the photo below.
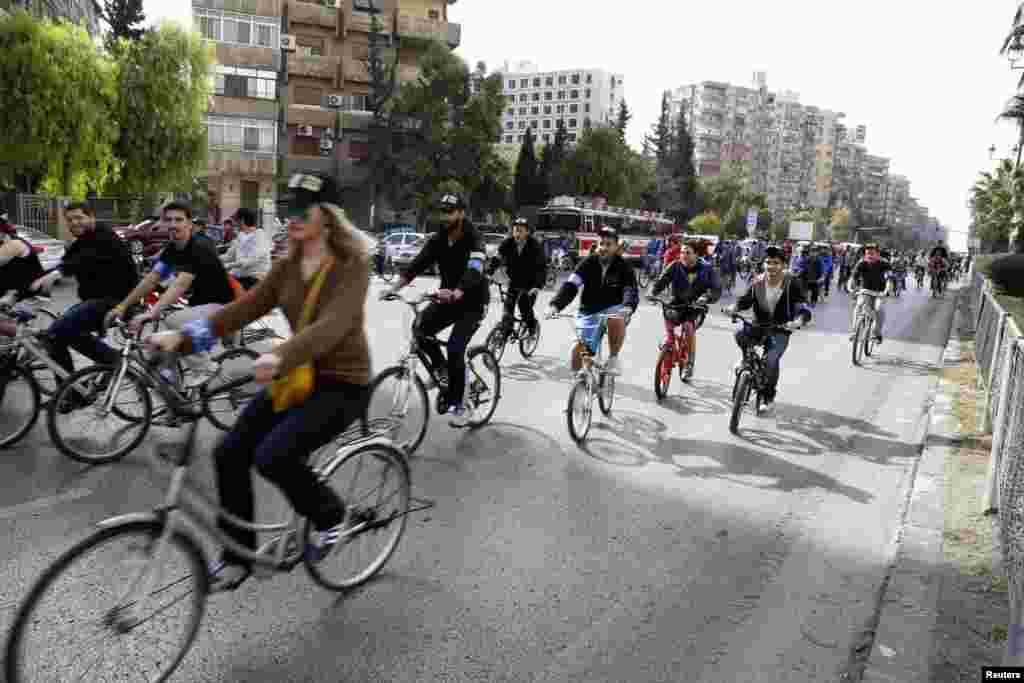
(736, 317)
(702, 308)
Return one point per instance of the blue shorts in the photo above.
(591, 327)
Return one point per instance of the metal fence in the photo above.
(999, 350)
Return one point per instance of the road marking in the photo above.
(43, 503)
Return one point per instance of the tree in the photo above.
(622, 121)
(1014, 111)
(596, 165)
(679, 186)
(1014, 40)
(997, 201)
(125, 19)
(660, 139)
(552, 167)
(57, 125)
(524, 188)
(165, 91)
(707, 223)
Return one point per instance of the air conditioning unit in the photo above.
(336, 101)
(288, 43)
(306, 131)
(326, 143)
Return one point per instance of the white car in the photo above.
(493, 240)
(397, 240)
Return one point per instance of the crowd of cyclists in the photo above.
(321, 287)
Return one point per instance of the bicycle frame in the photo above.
(870, 315)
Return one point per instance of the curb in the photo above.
(902, 645)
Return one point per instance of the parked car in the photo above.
(397, 240)
(50, 250)
(146, 238)
(404, 254)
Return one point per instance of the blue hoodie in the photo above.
(825, 263)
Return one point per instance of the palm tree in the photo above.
(1014, 111)
(997, 200)
(1013, 43)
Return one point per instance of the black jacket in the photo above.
(102, 264)
(461, 265)
(526, 270)
(792, 303)
(601, 289)
(871, 275)
(686, 290)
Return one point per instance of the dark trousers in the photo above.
(812, 290)
(776, 346)
(74, 329)
(526, 304)
(828, 282)
(278, 445)
(464, 324)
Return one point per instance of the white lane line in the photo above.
(43, 503)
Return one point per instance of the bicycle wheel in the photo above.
(19, 403)
(388, 272)
(528, 342)
(375, 511)
(222, 408)
(48, 642)
(858, 341)
(642, 277)
(580, 411)
(869, 339)
(606, 393)
(45, 378)
(398, 408)
(550, 278)
(484, 387)
(495, 342)
(740, 396)
(663, 373)
(80, 399)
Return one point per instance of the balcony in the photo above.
(356, 71)
(251, 57)
(312, 14)
(234, 162)
(262, 8)
(363, 22)
(244, 106)
(410, 26)
(311, 116)
(325, 68)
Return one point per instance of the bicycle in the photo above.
(482, 392)
(96, 388)
(499, 337)
(865, 322)
(752, 373)
(919, 274)
(165, 568)
(592, 380)
(729, 281)
(675, 351)
(938, 283)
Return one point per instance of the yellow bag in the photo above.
(294, 388)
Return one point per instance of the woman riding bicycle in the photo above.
(321, 288)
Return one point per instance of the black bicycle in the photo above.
(519, 331)
(752, 373)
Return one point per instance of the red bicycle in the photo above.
(675, 350)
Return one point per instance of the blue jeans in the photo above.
(74, 329)
(776, 344)
(278, 445)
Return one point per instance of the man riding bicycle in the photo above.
(609, 289)
(523, 259)
(777, 298)
(458, 251)
(693, 282)
(937, 267)
(870, 275)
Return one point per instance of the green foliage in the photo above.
(125, 18)
(527, 177)
(622, 119)
(997, 202)
(729, 194)
(596, 165)
(707, 223)
(58, 92)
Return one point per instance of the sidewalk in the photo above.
(944, 610)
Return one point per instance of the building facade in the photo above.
(283, 108)
(85, 13)
(578, 98)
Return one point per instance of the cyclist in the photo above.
(609, 288)
(103, 265)
(458, 250)
(523, 259)
(808, 269)
(693, 282)
(19, 268)
(777, 298)
(920, 266)
(672, 252)
(939, 250)
(727, 261)
(870, 274)
(937, 266)
(827, 267)
(196, 267)
(326, 248)
(248, 257)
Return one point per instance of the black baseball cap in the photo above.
(309, 189)
(451, 201)
(774, 252)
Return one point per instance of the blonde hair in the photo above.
(348, 244)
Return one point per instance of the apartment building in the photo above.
(577, 98)
(85, 13)
(292, 82)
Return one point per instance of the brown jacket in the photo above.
(335, 341)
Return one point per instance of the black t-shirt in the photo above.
(211, 284)
(21, 271)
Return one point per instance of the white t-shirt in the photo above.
(772, 295)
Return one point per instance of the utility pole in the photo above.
(287, 45)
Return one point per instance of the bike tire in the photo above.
(663, 375)
(606, 393)
(239, 396)
(417, 392)
(869, 343)
(13, 663)
(642, 278)
(528, 343)
(739, 400)
(579, 392)
(388, 271)
(64, 393)
(480, 355)
(857, 342)
(496, 341)
(12, 372)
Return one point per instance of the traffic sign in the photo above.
(751, 219)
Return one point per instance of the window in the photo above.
(522, 124)
(590, 78)
(250, 135)
(433, 15)
(586, 107)
(586, 122)
(536, 97)
(586, 93)
(372, 6)
(240, 29)
(575, 79)
(548, 96)
(522, 111)
(524, 82)
(547, 123)
(574, 95)
(573, 108)
(520, 138)
(533, 124)
(534, 110)
(549, 81)
(560, 108)
(561, 94)
(306, 95)
(509, 139)
(572, 137)
(310, 47)
(546, 137)
(508, 125)
(511, 85)
(209, 26)
(547, 108)
(572, 123)
(522, 98)
(561, 80)
(536, 83)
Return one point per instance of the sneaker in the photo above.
(323, 542)
(878, 338)
(767, 405)
(688, 372)
(227, 577)
(441, 382)
(611, 366)
(460, 416)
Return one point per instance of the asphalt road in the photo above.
(667, 550)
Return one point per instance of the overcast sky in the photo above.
(923, 76)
